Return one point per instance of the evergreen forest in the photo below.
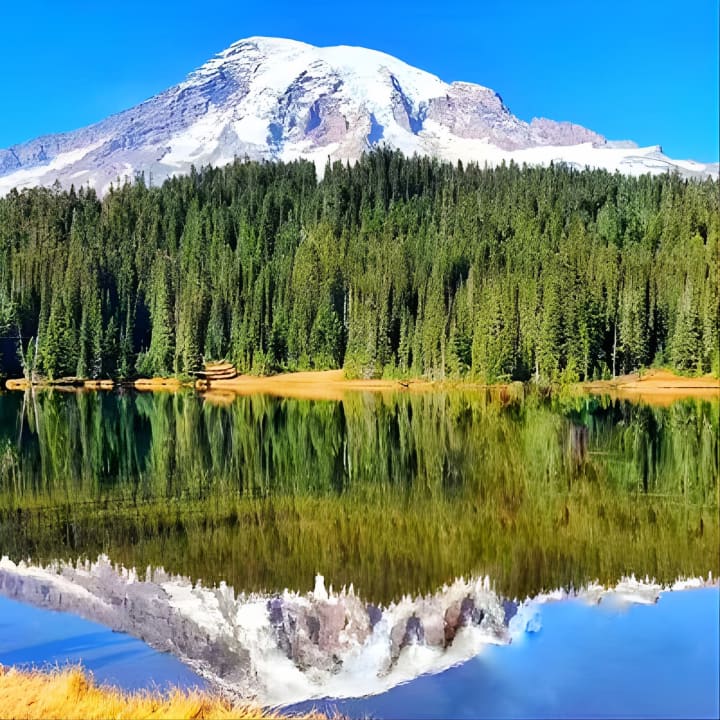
(394, 266)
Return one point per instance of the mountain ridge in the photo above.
(280, 99)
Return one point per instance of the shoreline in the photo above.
(310, 385)
(656, 387)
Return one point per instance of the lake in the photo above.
(398, 495)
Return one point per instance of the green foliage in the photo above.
(326, 338)
(394, 265)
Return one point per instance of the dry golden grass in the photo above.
(656, 387)
(653, 387)
(69, 694)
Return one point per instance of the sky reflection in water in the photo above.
(31, 636)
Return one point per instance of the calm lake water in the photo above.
(393, 493)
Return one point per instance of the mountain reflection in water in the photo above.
(653, 661)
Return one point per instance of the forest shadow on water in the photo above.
(394, 493)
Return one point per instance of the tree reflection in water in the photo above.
(394, 493)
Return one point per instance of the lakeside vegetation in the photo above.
(396, 266)
(395, 493)
(72, 694)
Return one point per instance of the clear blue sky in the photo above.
(637, 69)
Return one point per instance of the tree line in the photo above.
(394, 265)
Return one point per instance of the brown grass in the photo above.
(70, 693)
(655, 387)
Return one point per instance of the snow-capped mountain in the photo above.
(268, 98)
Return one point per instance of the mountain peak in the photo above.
(275, 98)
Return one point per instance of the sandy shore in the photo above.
(656, 387)
(311, 385)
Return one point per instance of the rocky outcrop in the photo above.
(550, 132)
(473, 111)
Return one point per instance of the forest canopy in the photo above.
(395, 266)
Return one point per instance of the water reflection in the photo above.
(394, 493)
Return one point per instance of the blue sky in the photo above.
(640, 70)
